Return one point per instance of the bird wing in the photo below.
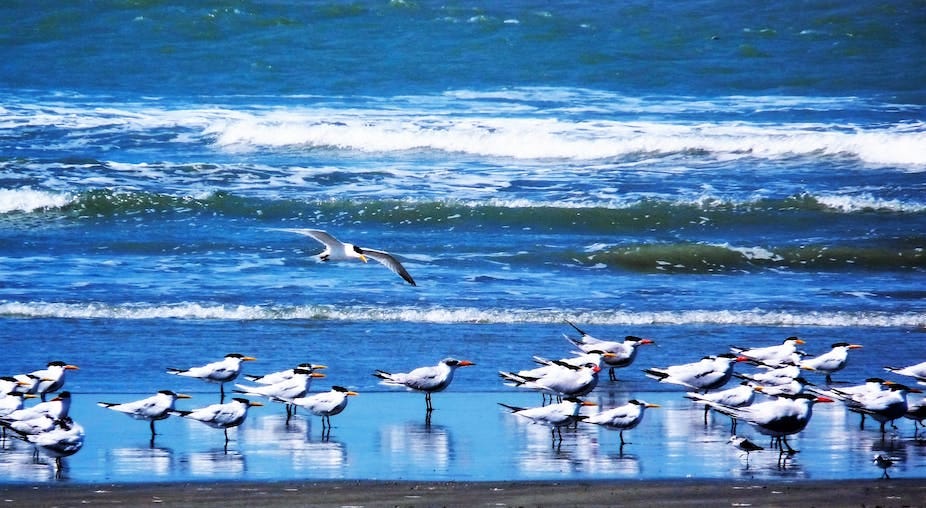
(319, 235)
(423, 378)
(391, 263)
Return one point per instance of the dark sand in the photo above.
(855, 493)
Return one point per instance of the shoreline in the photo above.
(687, 492)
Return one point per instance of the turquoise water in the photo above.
(704, 174)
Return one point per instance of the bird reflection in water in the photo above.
(413, 447)
(214, 463)
(290, 439)
(155, 461)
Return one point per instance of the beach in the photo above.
(882, 493)
(709, 177)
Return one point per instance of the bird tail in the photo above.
(513, 409)
(655, 374)
(697, 397)
(174, 370)
(387, 378)
(512, 377)
(106, 404)
(574, 342)
(252, 377)
(178, 412)
(722, 409)
(576, 328)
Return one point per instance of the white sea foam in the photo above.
(860, 202)
(753, 253)
(26, 199)
(526, 123)
(555, 138)
(200, 311)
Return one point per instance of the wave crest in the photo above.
(206, 311)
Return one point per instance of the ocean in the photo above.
(704, 174)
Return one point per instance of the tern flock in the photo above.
(785, 407)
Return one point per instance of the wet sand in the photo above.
(856, 493)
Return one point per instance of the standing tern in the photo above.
(621, 418)
(740, 396)
(275, 377)
(284, 391)
(797, 385)
(786, 352)
(150, 409)
(555, 416)
(773, 376)
(777, 418)
(916, 411)
(12, 403)
(50, 379)
(550, 366)
(425, 379)
(710, 373)
(221, 416)
(336, 250)
(917, 371)
(623, 353)
(565, 380)
(219, 372)
(883, 405)
(10, 385)
(31, 426)
(832, 361)
(56, 408)
(63, 440)
(843, 393)
(326, 404)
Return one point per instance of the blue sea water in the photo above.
(701, 173)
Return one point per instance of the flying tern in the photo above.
(336, 250)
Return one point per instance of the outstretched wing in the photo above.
(317, 234)
(391, 263)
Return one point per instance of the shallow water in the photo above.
(701, 175)
(385, 436)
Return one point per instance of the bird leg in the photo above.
(784, 439)
(611, 374)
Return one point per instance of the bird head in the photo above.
(360, 253)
